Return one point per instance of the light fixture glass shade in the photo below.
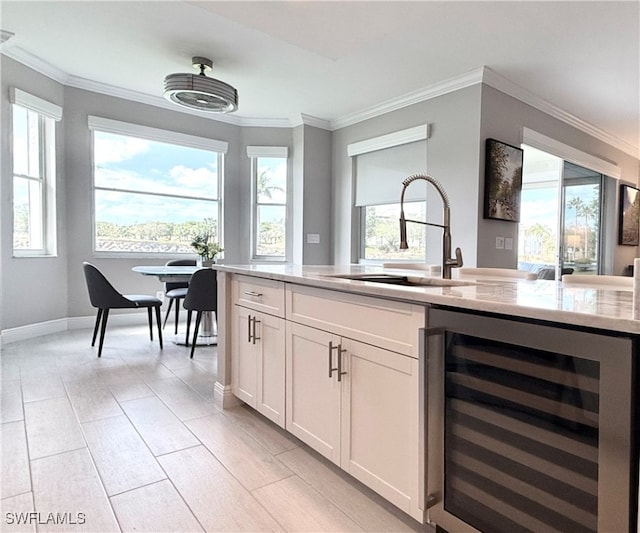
(197, 91)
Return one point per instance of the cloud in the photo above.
(114, 149)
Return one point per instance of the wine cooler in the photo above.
(530, 427)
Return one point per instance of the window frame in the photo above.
(48, 114)
(271, 152)
(105, 125)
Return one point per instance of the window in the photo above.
(34, 174)
(381, 165)
(269, 194)
(381, 240)
(154, 190)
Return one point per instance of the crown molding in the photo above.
(502, 84)
(479, 75)
(28, 59)
(432, 91)
(310, 120)
(264, 122)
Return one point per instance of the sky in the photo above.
(135, 164)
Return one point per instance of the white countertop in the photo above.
(602, 307)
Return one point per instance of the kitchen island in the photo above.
(351, 360)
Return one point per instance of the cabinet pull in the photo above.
(249, 329)
(253, 293)
(331, 348)
(255, 338)
(341, 350)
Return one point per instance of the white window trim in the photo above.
(397, 138)
(40, 106)
(254, 152)
(569, 153)
(118, 127)
(50, 114)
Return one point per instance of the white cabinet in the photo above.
(339, 371)
(258, 348)
(313, 398)
(358, 405)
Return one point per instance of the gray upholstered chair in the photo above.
(202, 296)
(176, 290)
(104, 297)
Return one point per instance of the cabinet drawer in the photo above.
(264, 295)
(384, 323)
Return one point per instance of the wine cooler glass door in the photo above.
(529, 426)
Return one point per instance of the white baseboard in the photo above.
(30, 331)
(223, 397)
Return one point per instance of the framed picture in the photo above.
(629, 215)
(502, 181)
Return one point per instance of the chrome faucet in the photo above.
(447, 262)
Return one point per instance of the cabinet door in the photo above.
(270, 340)
(380, 421)
(244, 357)
(313, 398)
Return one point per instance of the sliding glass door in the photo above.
(561, 215)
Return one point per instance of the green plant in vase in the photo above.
(206, 248)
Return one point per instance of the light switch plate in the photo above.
(499, 243)
(508, 243)
(313, 238)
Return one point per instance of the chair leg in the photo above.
(178, 300)
(103, 328)
(186, 338)
(195, 333)
(95, 328)
(158, 321)
(168, 310)
(150, 323)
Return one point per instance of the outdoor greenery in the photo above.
(169, 237)
(580, 234)
(382, 232)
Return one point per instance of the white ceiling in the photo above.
(333, 60)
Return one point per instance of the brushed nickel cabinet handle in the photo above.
(253, 293)
(331, 348)
(341, 350)
(255, 338)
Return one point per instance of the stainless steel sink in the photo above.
(405, 281)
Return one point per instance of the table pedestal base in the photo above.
(208, 334)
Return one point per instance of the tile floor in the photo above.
(133, 442)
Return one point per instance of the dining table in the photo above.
(208, 327)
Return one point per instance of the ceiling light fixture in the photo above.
(197, 91)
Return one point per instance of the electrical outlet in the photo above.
(313, 238)
(160, 295)
(508, 243)
(499, 243)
